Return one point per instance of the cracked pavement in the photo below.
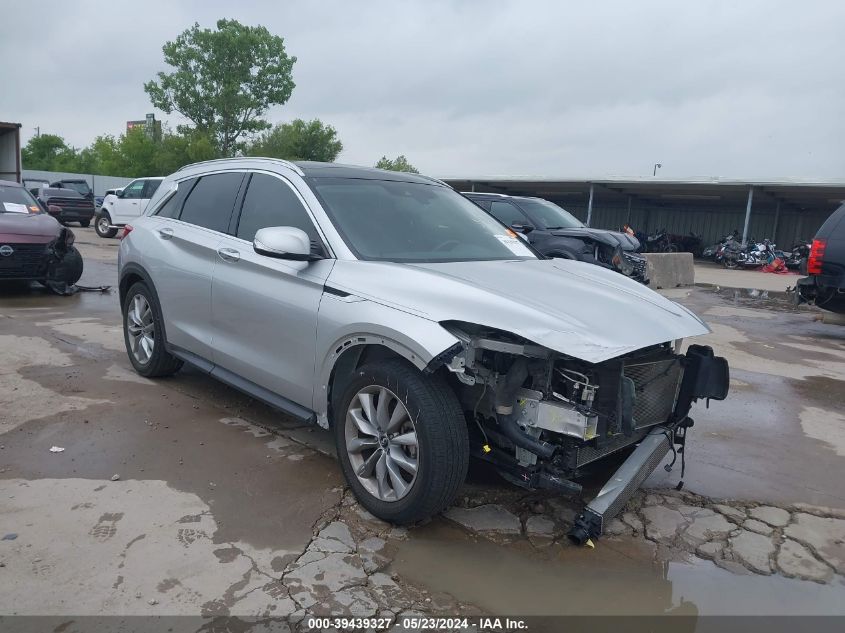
(223, 507)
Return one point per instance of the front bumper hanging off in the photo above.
(705, 376)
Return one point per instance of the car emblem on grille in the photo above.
(6, 250)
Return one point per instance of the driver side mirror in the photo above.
(119, 193)
(284, 242)
(522, 228)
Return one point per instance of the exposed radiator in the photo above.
(656, 390)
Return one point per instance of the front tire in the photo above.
(402, 441)
(102, 226)
(85, 223)
(143, 334)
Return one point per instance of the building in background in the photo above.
(784, 210)
(10, 151)
(149, 125)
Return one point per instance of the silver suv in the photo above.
(393, 310)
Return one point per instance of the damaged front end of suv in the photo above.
(542, 418)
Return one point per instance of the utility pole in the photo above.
(37, 131)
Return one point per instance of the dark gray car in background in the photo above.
(555, 232)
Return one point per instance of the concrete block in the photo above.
(670, 270)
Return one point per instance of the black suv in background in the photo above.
(79, 185)
(557, 233)
(67, 205)
(825, 283)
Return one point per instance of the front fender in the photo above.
(554, 244)
(348, 321)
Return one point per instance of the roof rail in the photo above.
(280, 161)
(485, 193)
(439, 182)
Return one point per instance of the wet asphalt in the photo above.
(182, 496)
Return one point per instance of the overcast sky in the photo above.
(462, 88)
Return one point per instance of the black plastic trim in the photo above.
(334, 291)
(447, 354)
(242, 384)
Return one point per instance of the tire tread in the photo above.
(447, 463)
(163, 363)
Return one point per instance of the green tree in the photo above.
(139, 153)
(298, 140)
(46, 152)
(400, 163)
(103, 157)
(224, 80)
(177, 150)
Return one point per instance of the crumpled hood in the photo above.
(611, 238)
(575, 308)
(28, 224)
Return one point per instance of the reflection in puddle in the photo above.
(616, 578)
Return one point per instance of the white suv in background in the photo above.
(124, 205)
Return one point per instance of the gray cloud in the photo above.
(747, 89)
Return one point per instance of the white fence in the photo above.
(98, 184)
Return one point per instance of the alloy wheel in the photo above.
(103, 224)
(381, 442)
(141, 329)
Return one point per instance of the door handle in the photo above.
(228, 254)
(165, 233)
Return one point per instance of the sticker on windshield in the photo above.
(514, 245)
(14, 207)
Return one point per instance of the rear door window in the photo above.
(211, 201)
(150, 188)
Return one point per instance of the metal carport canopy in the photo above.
(801, 195)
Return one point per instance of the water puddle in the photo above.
(767, 299)
(616, 578)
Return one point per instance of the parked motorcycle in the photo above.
(797, 257)
(689, 243)
(715, 251)
(660, 243)
(734, 255)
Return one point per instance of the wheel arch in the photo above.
(130, 274)
(352, 351)
(353, 356)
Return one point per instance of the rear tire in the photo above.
(153, 360)
(85, 223)
(434, 417)
(102, 226)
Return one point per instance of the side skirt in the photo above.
(242, 384)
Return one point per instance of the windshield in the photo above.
(392, 221)
(17, 200)
(548, 215)
(78, 187)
